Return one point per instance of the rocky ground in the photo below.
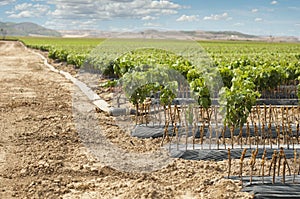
(42, 155)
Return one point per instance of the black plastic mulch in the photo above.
(221, 154)
(155, 131)
(267, 190)
(150, 131)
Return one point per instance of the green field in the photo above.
(70, 50)
(231, 54)
(245, 68)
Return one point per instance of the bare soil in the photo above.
(42, 156)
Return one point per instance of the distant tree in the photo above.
(4, 33)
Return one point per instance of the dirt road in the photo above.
(41, 155)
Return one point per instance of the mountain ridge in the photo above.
(26, 29)
(32, 29)
(174, 34)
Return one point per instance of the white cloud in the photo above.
(297, 24)
(119, 29)
(168, 12)
(9, 12)
(23, 14)
(27, 10)
(23, 6)
(152, 24)
(254, 10)
(274, 2)
(258, 19)
(148, 18)
(164, 4)
(122, 0)
(85, 10)
(238, 24)
(188, 18)
(217, 17)
(3, 2)
(107, 9)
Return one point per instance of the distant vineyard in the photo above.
(71, 50)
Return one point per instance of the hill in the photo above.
(26, 29)
(32, 29)
(195, 35)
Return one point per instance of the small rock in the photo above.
(207, 182)
(31, 184)
(94, 169)
(87, 167)
(23, 171)
(70, 186)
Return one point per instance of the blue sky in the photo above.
(259, 17)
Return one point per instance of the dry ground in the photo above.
(42, 156)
